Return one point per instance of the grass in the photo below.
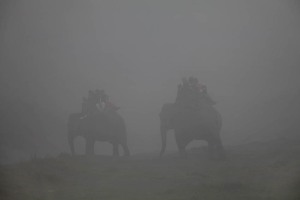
(257, 171)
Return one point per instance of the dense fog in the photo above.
(53, 52)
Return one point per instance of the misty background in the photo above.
(53, 52)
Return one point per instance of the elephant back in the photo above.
(205, 118)
(103, 122)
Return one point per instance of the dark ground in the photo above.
(261, 170)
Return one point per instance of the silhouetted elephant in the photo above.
(191, 124)
(103, 126)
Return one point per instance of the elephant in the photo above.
(106, 126)
(191, 124)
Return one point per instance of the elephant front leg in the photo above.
(220, 149)
(211, 149)
(116, 150)
(71, 143)
(125, 149)
(89, 147)
(163, 133)
(181, 144)
(215, 149)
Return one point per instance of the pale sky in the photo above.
(53, 52)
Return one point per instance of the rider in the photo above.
(88, 106)
(84, 108)
(181, 88)
(191, 93)
(200, 90)
(105, 103)
(100, 94)
(186, 96)
(97, 101)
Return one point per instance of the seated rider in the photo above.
(105, 104)
(88, 106)
(191, 93)
(100, 103)
(200, 90)
(84, 108)
(186, 97)
(181, 88)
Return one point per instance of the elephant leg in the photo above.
(211, 148)
(219, 149)
(71, 143)
(181, 144)
(182, 151)
(116, 149)
(125, 149)
(89, 146)
(215, 148)
(163, 133)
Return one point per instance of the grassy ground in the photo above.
(267, 170)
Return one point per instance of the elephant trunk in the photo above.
(163, 132)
